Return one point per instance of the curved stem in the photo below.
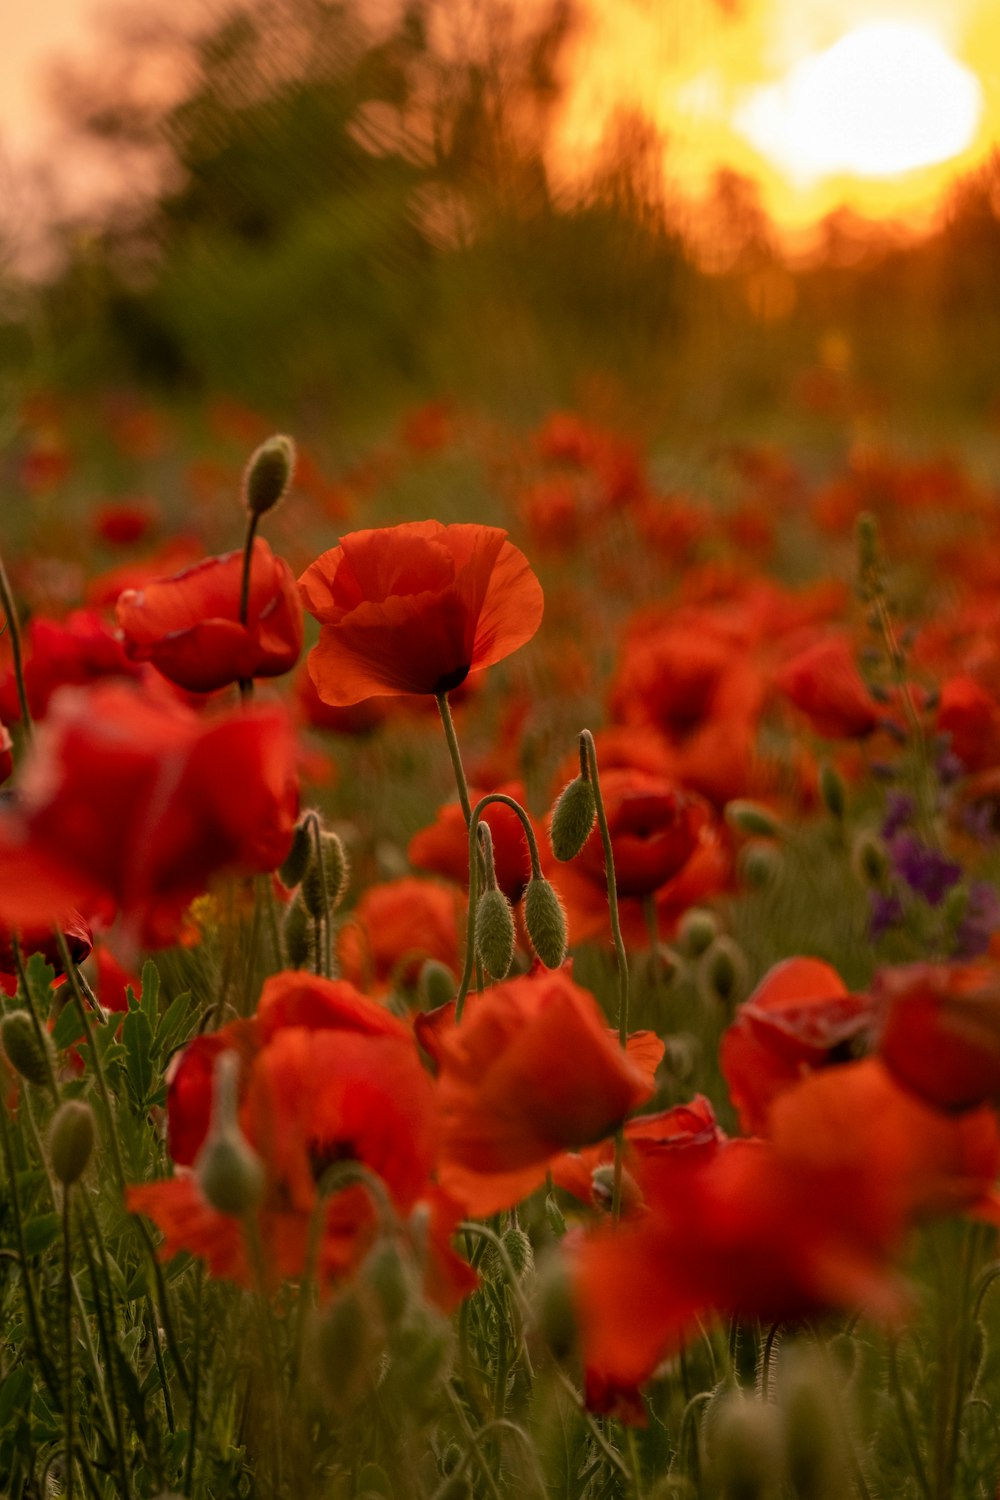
(246, 683)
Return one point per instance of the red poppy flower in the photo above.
(799, 1018)
(531, 1071)
(73, 652)
(122, 523)
(327, 1076)
(141, 804)
(188, 626)
(970, 716)
(444, 847)
(395, 927)
(655, 828)
(824, 683)
(416, 608)
(685, 1127)
(940, 1034)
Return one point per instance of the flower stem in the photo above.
(448, 722)
(246, 683)
(68, 1341)
(14, 629)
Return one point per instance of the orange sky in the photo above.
(713, 80)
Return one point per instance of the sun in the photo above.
(885, 100)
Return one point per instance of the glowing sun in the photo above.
(885, 99)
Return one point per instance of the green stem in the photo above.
(43, 1041)
(106, 1328)
(589, 749)
(14, 629)
(246, 683)
(324, 925)
(68, 1341)
(448, 722)
(473, 818)
(30, 1301)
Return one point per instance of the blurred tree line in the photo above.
(354, 208)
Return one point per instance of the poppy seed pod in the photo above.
(545, 922)
(25, 1049)
(268, 475)
(495, 933)
(71, 1140)
(572, 819)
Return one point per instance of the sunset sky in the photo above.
(874, 103)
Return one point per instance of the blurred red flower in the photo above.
(416, 608)
(140, 804)
(940, 1031)
(188, 625)
(73, 652)
(799, 1018)
(530, 1071)
(395, 927)
(443, 848)
(326, 1076)
(824, 683)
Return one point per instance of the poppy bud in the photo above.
(751, 818)
(572, 819)
(869, 859)
(340, 1342)
(229, 1172)
(555, 1216)
(555, 1315)
(297, 859)
(71, 1140)
(745, 1448)
(760, 864)
(831, 789)
(495, 932)
(813, 1450)
(519, 1251)
(385, 1272)
(330, 877)
(297, 932)
(545, 922)
(722, 970)
(696, 931)
(268, 475)
(28, 1053)
(436, 984)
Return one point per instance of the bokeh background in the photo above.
(716, 219)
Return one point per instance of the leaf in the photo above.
(174, 1024)
(68, 1029)
(41, 1232)
(150, 983)
(13, 1393)
(137, 1037)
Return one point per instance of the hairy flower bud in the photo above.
(752, 818)
(230, 1173)
(436, 984)
(71, 1140)
(722, 970)
(297, 859)
(28, 1053)
(268, 475)
(545, 922)
(323, 885)
(519, 1251)
(495, 932)
(572, 819)
(696, 932)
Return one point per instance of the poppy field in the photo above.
(499, 1001)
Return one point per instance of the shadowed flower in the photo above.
(531, 1071)
(416, 608)
(940, 1031)
(189, 625)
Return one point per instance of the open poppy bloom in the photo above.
(133, 804)
(809, 1219)
(327, 1076)
(531, 1071)
(799, 1018)
(416, 608)
(73, 652)
(824, 683)
(940, 1031)
(189, 625)
(395, 927)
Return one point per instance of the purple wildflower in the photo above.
(926, 871)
